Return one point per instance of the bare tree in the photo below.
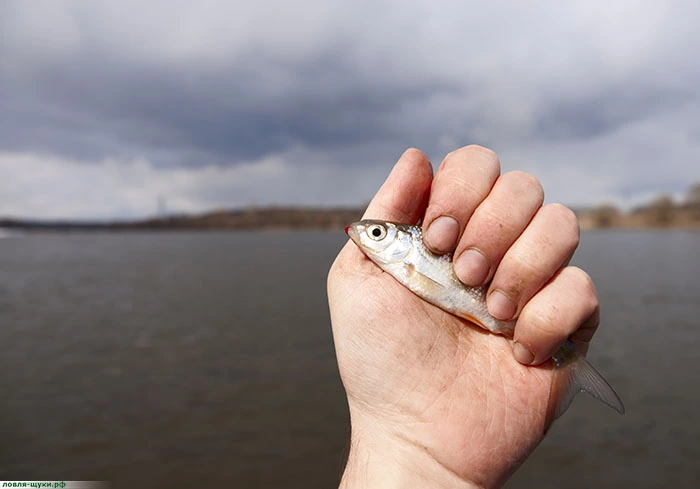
(692, 201)
(661, 211)
(605, 216)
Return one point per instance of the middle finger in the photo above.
(495, 225)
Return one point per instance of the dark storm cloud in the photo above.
(96, 105)
(103, 98)
(605, 110)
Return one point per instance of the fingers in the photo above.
(543, 247)
(463, 180)
(404, 194)
(501, 233)
(566, 306)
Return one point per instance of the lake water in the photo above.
(194, 359)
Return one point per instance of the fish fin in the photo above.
(573, 374)
(423, 282)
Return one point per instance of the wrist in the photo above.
(381, 460)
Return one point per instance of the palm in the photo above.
(413, 365)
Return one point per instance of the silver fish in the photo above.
(399, 250)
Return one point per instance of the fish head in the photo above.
(383, 242)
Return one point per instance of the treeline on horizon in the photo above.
(662, 212)
(272, 217)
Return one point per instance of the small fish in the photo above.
(399, 250)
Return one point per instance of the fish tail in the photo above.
(573, 374)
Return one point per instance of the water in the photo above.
(183, 359)
(647, 346)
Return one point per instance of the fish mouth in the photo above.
(353, 231)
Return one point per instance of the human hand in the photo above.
(435, 402)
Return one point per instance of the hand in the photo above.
(435, 401)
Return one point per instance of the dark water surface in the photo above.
(179, 360)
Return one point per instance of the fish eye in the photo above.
(377, 232)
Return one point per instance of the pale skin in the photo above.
(434, 401)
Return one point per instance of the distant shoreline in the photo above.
(661, 214)
(243, 219)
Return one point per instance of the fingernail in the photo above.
(442, 234)
(500, 306)
(472, 268)
(522, 354)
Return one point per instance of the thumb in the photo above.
(402, 198)
(404, 195)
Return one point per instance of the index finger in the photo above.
(462, 182)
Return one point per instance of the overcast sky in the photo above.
(108, 107)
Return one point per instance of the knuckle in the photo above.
(520, 280)
(525, 182)
(491, 229)
(471, 153)
(462, 182)
(449, 164)
(455, 196)
(415, 153)
(542, 321)
(563, 214)
(584, 283)
(584, 280)
(559, 311)
(482, 151)
(566, 221)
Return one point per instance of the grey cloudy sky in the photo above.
(105, 107)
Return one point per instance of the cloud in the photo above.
(213, 89)
(627, 166)
(37, 186)
(99, 94)
(121, 188)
